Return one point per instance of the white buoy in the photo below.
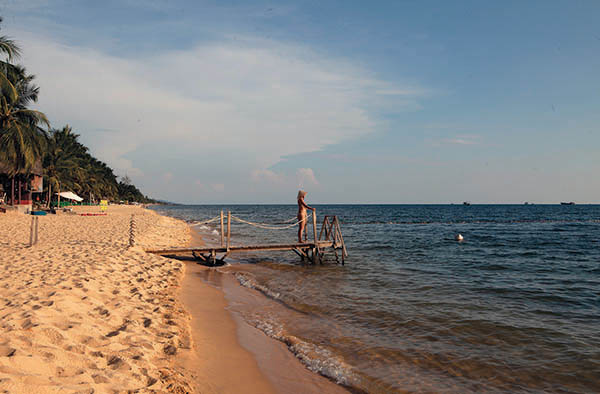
(459, 237)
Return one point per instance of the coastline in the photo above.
(229, 355)
(82, 311)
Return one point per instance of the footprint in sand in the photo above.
(100, 378)
(7, 351)
(116, 362)
(64, 325)
(27, 324)
(48, 356)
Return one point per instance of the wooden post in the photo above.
(222, 233)
(19, 191)
(324, 227)
(33, 235)
(228, 229)
(132, 229)
(316, 248)
(341, 238)
(31, 231)
(12, 191)
(36, 229)
(49, 193)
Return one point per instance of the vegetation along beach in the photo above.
(299, 197)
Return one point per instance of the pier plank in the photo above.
(241, 248)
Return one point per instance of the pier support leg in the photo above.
(221, 229)
(198, 256)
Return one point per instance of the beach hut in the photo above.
(20, 186)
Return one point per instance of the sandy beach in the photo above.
(84, 312)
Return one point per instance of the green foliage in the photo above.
(69, 166)
(67, 163)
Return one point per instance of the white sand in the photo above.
(82, 312)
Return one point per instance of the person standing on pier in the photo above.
(302, 207)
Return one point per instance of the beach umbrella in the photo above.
(70, 196)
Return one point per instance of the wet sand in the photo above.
(229, 353)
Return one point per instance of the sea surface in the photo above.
(514, 307)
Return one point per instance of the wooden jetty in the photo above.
(329, 239)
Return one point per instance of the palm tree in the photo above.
(21, 138)
(9, 47)
(60, 159)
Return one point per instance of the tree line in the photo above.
(27, 142)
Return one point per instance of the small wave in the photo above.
(250, 282)
(320, 360)
(314, 357)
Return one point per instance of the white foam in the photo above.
(315, 358)
(248, 281)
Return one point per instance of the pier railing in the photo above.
(329, 238)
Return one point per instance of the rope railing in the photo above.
(207, 221)
(192, 223)
(312, 251)
(268, 226)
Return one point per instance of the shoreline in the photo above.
(224, 342)
(82, 311)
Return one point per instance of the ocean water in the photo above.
(513, 307)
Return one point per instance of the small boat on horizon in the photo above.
(567, 203)
(466, 203)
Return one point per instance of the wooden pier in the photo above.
(329, 239)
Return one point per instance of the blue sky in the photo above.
(380, 102)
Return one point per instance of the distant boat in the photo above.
(525, 203)
(567, 203)
(466, 203)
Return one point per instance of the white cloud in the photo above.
(401, 92)
(259, 98)
(306, 176)
(266, 175)
(460, 141)
(466, 139)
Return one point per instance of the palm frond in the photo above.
(8, 90)
(9, 47)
